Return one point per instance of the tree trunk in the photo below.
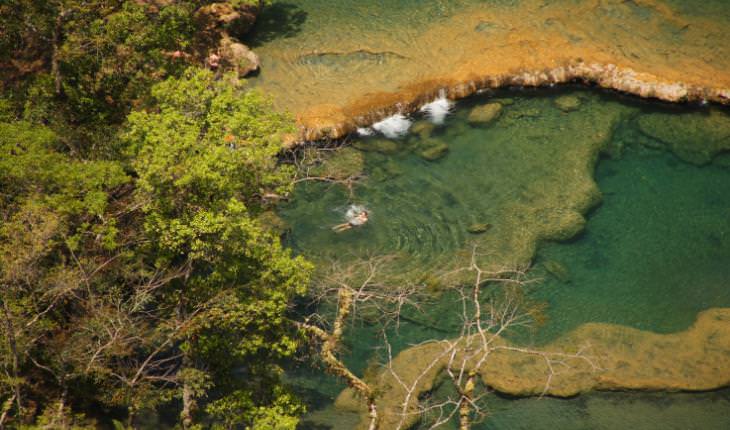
(14, 350)
(466, 398)
(186, 416)
(373, 415)
(330, 342)
(55, 70)
(188, 398)
(6, 409)
(131, 415)
(59, 421)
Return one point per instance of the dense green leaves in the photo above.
(149, 282)
(138, 274)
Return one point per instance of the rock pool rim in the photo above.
(341, 122)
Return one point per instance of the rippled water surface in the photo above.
(652, 251)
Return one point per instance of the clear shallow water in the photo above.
(527, 174)
(652, 254)
(328, 61)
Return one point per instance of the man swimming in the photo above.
(356, 216)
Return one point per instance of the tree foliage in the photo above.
(147, 281)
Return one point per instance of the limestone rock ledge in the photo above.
(620, 358)
(332, 122)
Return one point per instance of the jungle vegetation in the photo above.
(139, 278)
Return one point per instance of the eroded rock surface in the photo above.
(620, 358)
(643, 47)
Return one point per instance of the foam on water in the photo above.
(394, 126)
(437, 110)
(365, 131)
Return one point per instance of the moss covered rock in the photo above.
(694, 137)
(567, 103)
(478, 228)
(484, 114)
(433, 150)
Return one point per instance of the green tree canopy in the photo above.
(148, 282)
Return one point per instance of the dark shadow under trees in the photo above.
(280, 20)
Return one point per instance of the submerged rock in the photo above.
(557, 269)
(423, 129)
(567, 103)
(484, 114)
(341, 59)
(383, 146)
(618, 358)
(478, 228)
(434, 150)
(694, 137)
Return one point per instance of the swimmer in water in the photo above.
(356, 216)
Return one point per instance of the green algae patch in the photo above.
(340, 164)
(694, 137)
(618, 358)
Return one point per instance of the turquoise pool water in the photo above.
(656, 251)
(653, 250)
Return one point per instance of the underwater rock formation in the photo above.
(423, 129)
(682, 136)
(621, 358)
(434, 150)
(484, 114)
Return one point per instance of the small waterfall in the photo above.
(394, 126)
(365, 131)
(437, 110)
